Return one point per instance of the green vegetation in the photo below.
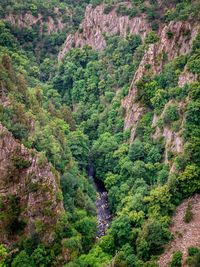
(151, 38)
(3, 255)
(193, 256)
(176, 259)
(71, 113)
(171, 114)
(188, 213)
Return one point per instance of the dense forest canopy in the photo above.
(71, 112)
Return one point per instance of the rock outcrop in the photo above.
(173, 139)
(27, 20)
(180, 42)
(30, 198)
(97, 24)
(186, 78)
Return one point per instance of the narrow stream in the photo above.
(103, 213)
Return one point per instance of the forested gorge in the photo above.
(71, 113)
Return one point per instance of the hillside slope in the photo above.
(186, 235)
(119, 102)
(29, 188)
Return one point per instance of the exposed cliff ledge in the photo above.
(173, 139)
(183, 34)
(96, 23)
(27, 20)
(30, 198)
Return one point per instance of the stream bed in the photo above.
(104, 215)
(103, 212)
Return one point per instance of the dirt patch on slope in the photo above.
(185, 234)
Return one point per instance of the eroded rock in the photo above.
(96, 24)
(29, 188)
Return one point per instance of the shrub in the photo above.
(188, 213)
(10, 212)
(21, 163)
(136, 151)
(171, 114)
(196, 260)
(108, 9)
(170, 34)
(189, 180)
(151, 38)
(39, 226)
(3, 255)
(42, 160)
(176, 259)
(194, 64)
(123, 11)
(192, 251)
(32, 187)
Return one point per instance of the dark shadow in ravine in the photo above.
(104, 215)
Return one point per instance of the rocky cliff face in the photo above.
(183, 34)
(175, 39)
(96, 24)
(30, 198)
(27, 20)
(173, 140)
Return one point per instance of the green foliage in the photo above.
(79, 145)
(171, 114)
(120, 230)
(87, 227)
(3, 255)
(122, 10)
(176, 259)
(22, 260)
(194, 256)
(126, 257)
(102, 152)
(21, 163)
(40, 256)
(108, 9)
(151, 38)
(72, 112)
(10, 214)
(151, 239)
(182, 11)
(136, 151)
(192, 251)
(146, 91)
(188, 216)
(189, 182)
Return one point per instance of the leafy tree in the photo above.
(152, 238)
(120, 229)
(189, 182)
(102, 152)
(22, 260)
(151, 38)
(3, 255)
(87, 227)
(136, 150)
(79, 145)
(161, 197)
(40, 257)
(171, 114)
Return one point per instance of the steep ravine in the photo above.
(104, 215)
